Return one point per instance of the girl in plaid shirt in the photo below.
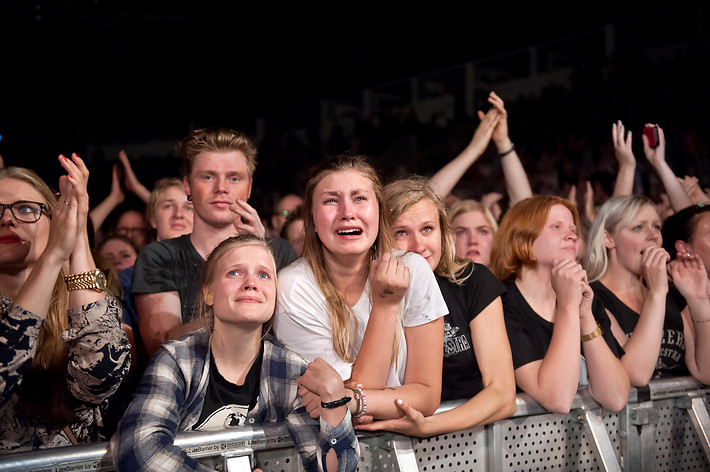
(232, 374)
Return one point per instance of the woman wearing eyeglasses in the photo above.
(63, 351)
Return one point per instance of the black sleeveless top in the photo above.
(671, 357)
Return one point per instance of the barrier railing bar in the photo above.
(636, 430)
(48, 458)
(671, 387)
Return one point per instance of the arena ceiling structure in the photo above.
(140, 68)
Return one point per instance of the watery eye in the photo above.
(264, 275)
(26, 208)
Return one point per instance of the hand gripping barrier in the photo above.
(664, 427)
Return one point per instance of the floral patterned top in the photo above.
(97, 361)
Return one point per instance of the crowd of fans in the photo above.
(360, 302)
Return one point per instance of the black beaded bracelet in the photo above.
(335, 403)
(512, 148)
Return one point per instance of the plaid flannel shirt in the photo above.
(171, 395)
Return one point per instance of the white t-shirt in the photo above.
(302, 324)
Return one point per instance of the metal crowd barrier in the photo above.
(664, 427)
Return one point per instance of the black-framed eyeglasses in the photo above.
(25, 211)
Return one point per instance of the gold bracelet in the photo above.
(594, 334)
(358, 401)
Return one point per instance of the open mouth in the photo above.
(349, 232)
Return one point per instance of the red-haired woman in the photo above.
(549, 309)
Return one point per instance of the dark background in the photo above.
(142, 69)
(84, 75)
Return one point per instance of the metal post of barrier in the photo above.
(694, 404)
(238, 461)
(639, 426)
(600, 442)
(380, 452)
(494, 439)
(404, 453)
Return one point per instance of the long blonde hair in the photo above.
(339, 311)
(401, 195)
(615, 213)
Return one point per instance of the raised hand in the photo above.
(622, 145)
(484, 130)
(247, 220)
(130, 180)
(389, 280)
(691, 185)
(78, 177)
(689, 276)
(572, 196)
(653, 267)
(116, 190)
(64, 223)
(657, 155)
(500, 134)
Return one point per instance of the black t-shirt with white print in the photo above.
(671, 356)
(461, 377)
(226, 404)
